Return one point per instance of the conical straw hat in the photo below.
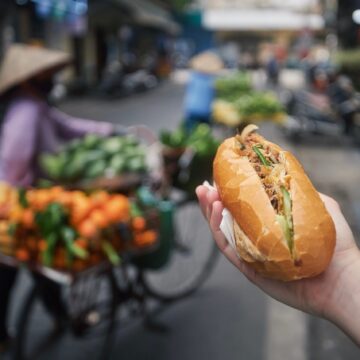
(207, 62)
(22, 62)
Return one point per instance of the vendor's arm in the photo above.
(70, 127)
(18, 142)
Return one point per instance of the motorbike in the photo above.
(307, 117)
(117, 82)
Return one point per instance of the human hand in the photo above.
(334, 295)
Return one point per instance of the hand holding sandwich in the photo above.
(333, 295)
(298, 263)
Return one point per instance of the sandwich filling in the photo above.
(269, 165)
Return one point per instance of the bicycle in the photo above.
(93, 299)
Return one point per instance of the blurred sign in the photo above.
(43, 8)
(77, 25)
(309, 6)
(61, 9)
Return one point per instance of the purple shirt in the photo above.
(32, 127)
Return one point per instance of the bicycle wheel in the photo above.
(192, 260)
(91, 311)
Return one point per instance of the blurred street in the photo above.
(228, 318)
(87, 228)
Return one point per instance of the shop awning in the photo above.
(107, 14)
(114, 13)
(148, 14)
(259, 20)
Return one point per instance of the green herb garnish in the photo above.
(261, 156)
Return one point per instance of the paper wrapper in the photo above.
(227, 222)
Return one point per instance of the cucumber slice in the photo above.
(286, 230)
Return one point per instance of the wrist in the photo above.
(344, 310)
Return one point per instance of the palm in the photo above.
(310, 295)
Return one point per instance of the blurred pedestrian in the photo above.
(333, 295)
(31, 126)
(344, 98)
(273, 70)
(200, 91)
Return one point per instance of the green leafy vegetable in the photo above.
(135, 210)
(94, 157)
(54, 228)
(48, 254)
(230, 88)
(22, 198)
(200, 140)
(12, 229)
(258, 104)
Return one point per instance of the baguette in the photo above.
(282, 228)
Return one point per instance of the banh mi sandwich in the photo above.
(281, 226)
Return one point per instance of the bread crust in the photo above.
(243, 194)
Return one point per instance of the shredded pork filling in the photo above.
(273, 177)
(269, 165)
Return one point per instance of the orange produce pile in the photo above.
(8, 199)
(71, 230)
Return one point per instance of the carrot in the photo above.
(42, 245)
(28, 218)
(95, 259)
(117, 210)
(138, 223)
(80, 211)
(60, 259)
(99, 219)
(99, 199)
(22, 255)
(146, 238)
(31, 243)
(82, 243)
(87, 229)
(64, 198)
(16, 213)
(79, 265)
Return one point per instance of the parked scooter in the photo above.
(338, 111)
(118, 83)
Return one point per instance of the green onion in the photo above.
(261, 156)
(110, 252)
(78, 251)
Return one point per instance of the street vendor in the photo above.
(30, 127)
(200, 92)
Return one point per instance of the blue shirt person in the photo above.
(200, 92)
